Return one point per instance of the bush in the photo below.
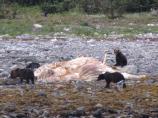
(57, 6)
(90, 6)
(8, 11)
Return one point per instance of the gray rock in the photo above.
(4, 74)
(132, 69)
(142, 55)
(42, 93)
(5, 116)
(45, 114)
(98, 106)
(37, 112)
(98, 113)
(25, 37)
(112, 111)
(21, 115)
(12, 115)
(10, 107)
(58, 93)
(78, 84)
(76, 113)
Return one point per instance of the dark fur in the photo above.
(33, 65)
(23, 74)
(112, 77)
(121, 59)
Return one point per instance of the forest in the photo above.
(113, 8)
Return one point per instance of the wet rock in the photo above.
(98, 113)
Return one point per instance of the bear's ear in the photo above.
(116, 50)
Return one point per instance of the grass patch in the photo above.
(77, 23)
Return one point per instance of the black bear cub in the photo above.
(23, 74)
(121, 59)
(112, 77)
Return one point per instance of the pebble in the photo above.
(98, 113)
(98, 106)
(141, 55)
(42, 93)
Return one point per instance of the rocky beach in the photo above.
(78, 99)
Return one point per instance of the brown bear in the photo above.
(112, 77)
(23, 74)
(121, 59)
(33, 65)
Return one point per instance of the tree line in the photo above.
(113, 8)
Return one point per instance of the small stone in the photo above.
(112, 111)
(76, 113)
(10, 108)
(98, 113)
(25, 37)
(21, 115)
(45, 114)
(154, 110)
(36, 111)
(4, 74)
(98, 106)
(42, 93)
(80, 111)
(144, 116)
(58, 93)
(13, 115)
(5, 116)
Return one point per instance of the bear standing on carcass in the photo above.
(121, 59)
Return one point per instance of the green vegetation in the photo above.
(77, 23)
(82, 18)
